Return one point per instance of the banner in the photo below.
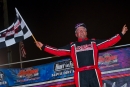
(48, 72)
(114, 65)
(118, 82)
(114, 59)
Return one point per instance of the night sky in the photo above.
(52, 22)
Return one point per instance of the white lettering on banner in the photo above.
(3, 83)
(63, 73)
(57, 74)
(114, 85)
(63, 68)
(63, 65)
(125, 85)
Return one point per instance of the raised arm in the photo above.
(63, 51)
(112, 41)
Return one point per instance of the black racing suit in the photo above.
(84, 54)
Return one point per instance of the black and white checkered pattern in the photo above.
(17, 32)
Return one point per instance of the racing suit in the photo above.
(84, 54)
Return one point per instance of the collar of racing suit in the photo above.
(80, 40)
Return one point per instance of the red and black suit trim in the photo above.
(84, 54)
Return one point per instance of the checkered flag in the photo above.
(17, 32)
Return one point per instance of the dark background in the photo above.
(52, 22)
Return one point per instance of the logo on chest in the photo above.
(85, 47)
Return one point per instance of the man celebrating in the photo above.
(84, 54)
